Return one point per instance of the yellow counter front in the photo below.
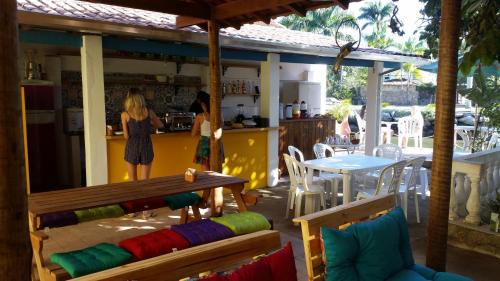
(245, 155)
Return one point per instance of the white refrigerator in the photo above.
(310, 92)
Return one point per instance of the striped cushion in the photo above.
(243, 223)
(182, 200)
(111, 211)
(142, 204)
(59, 219)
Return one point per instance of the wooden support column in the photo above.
(94, 113)
(372, 115)
(437, 228)
(15, 253)
(215, 110)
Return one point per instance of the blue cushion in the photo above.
(427, 273)
(407, 275)
(446, 276)
(379, 255)
(404, 238)
(341, 249)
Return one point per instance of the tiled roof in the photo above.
(256, 32)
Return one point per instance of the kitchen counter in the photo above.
(305, 120)
(225, 131)
(245, 153)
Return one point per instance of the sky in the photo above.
(408, 14)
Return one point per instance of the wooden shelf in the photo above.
(254, 96)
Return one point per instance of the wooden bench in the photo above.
(183, 263)
(74, 199)
(338, 217)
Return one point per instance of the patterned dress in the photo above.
(139, 148)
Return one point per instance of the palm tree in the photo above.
(437, 227)
(380, 40)
(376, 14)
(411, 46)
(322, 21)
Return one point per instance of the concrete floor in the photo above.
(271, 203)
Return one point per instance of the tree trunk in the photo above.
(215, 110)
(15, 253)
(437, 229)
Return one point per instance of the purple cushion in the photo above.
(202, 231)
(59, 219)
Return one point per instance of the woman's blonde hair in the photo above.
(135, 102)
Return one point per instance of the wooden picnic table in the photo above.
(79, 198)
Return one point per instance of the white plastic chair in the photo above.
(465, 138)
(321, 150)
(409, 127)
(294, 152)
(389, 151)
(300, 188)
(388, 181)
(410, 184)
(362, 128)
(493, 142)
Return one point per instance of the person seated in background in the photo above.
(344, 129)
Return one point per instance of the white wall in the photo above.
(305, 72)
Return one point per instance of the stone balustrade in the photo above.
(475, 181)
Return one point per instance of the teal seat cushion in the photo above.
(340, 252)
(182, 200)
(427, 273)
(97, 258)
(447, 276)
(379, 255)
(111, 211)
(407, 275)
(404, 238)
(244, 222)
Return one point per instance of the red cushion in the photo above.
(282, 264)
(256, 271)
(140, 205)
(154, 244)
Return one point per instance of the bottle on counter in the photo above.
(303, 110)
(243, 87)
(296, 110)
(289, 110)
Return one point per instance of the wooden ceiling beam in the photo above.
(300, 11)
(176, 7)
(235, 8)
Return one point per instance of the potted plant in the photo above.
(339, 111)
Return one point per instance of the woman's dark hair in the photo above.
(196, 105)
(362, 112)
(204, 98)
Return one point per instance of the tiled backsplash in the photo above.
(160, 97)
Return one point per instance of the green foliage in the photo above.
(479, 32)
(429, 111)
(485, 94)
(340, 110)
(347, 83)
(322, 21)
(385, 104)
(377, 16)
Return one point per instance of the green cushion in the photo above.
(404, 239)
(427, 273)
(407, 275)
(111, 211)
(90, 260)
(378, 242)
(341, 249)
(243, 223)
(446, 276)
(182, 200)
